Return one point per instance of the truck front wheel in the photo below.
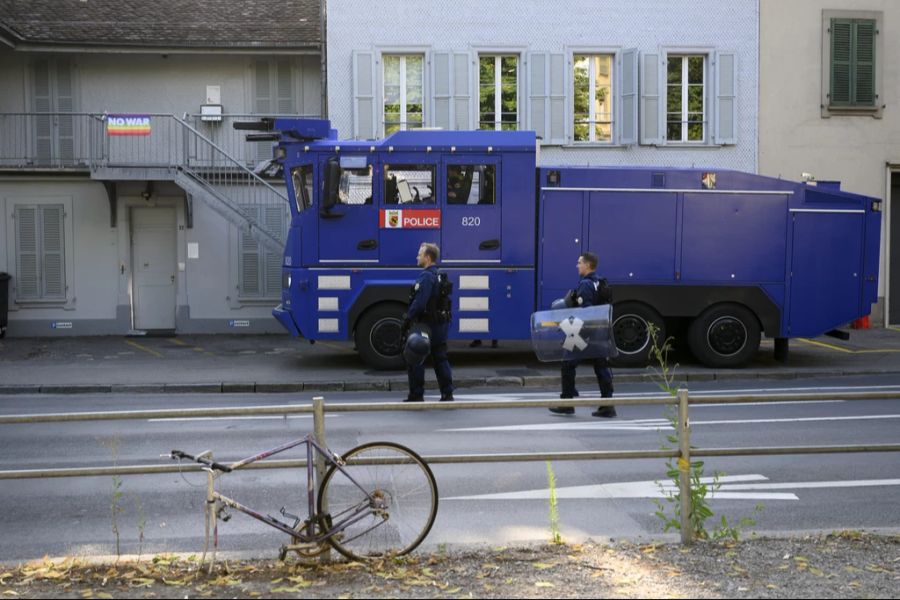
(726, 335)
(631, 329)
(378, 338)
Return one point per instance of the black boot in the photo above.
(606, 412)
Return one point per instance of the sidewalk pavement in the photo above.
(278, 363)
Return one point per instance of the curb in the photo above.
(400, 385)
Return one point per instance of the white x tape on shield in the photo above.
(572, 328)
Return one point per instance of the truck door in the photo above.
(348, 214)
(410, 213)
(470, 197)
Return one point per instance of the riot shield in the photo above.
(573, 333)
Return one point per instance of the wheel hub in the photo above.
(632, 334)
(385, 337)
(727, 336)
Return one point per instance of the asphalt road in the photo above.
(486, 503)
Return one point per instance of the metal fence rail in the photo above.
(684, 454)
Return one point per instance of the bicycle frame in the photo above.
(357, 513)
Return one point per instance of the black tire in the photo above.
(378, 338)
(414, 515)
(631, 331)
(725, 335)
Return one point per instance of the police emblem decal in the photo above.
(393, 219)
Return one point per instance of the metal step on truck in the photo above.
(716, 258)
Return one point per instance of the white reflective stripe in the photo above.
(334, 282)
(664, 190)
(474, 282)
(474, 325)
(328, 304)
(328, 326)
(474, 304)
(829, 210)
(348, 260)
(457, 262)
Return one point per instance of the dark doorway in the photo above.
(894, 291)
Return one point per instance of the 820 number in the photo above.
(471, 221)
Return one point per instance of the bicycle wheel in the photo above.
(389, 509)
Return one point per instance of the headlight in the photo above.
(289, 282)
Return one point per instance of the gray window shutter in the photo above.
(249, 258)
(538, 94)
(726, 98)
(628, 97)
(53, 271)
(65, 103)
(27, 277)
(440, 69)
(558, 125)
(364, 115)
(43, 126)
(263, 99)
(651, 108)
(274, 222)
(285, 88)
(462, 93)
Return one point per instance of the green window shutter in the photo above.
(864, 33)
(841, 61)
(852, 62)
(27, 277)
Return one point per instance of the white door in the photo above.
(153, 260)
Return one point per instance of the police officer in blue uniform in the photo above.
(586, 294)
(425, 307)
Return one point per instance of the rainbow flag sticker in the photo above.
(127, 125)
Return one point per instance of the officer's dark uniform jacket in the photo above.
(425, 288)
(585, 293)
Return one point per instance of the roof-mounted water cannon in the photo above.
(300, 130)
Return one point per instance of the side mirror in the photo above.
(332, 183)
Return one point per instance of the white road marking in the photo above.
(654, 425)
(729, 490)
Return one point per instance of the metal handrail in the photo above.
(318, 408)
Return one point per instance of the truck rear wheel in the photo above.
(726, 335)
(631, 329)
(378, 338)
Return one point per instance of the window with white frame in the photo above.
(404, 91)
(40, 252)
(686, 110)
(593, 97)
(498, 92)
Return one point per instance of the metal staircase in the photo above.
(173, 150)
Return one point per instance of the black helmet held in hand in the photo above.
(418, 345)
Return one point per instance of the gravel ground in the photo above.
(841, 565)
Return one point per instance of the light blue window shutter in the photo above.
(27, 276)
(557, 126)
(628, 97)
(65, 103)
(462, 93)
(651, 109)
(443, 97)
(53, 271)
(726, 98)
(249, 258)
(274, 223)
(43, 103)
(364, 104)
(538, 94)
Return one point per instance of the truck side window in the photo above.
(471, 184)
(355, 186)
(303, 186)
(409, 184)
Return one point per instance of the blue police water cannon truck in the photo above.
(716, 258)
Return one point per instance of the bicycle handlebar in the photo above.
(178, 455)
